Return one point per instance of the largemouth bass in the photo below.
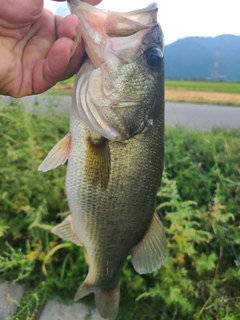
(115, 149)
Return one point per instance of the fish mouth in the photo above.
(124, 24)
(105, 30)
(112, 39)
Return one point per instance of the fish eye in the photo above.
(153, 57)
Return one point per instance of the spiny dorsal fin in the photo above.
(66, 231)
(58, 155)
(98, 163)
(151, 252)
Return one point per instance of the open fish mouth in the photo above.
(118, 46)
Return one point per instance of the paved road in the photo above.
(193, 116)
(202, 117)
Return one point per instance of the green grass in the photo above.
(209, 86)
(200, 279)
(65, 87)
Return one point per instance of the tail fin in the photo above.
(107, 300)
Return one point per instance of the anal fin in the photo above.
(58, 155)
(151, 252)
(66, 231)
(83, 291)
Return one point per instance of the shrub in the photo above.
(200, 279)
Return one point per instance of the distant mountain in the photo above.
(194, 58)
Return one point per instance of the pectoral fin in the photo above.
(151, 252)
(66, 231)
(58, 155)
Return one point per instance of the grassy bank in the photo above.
(200, 279)
(206, 92)
(203, 86)
(63, 87)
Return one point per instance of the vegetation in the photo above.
(65, 87)
(204, 86)
(203, 92)
(200, 279)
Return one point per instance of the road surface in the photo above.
(202, 117)
(192, 116)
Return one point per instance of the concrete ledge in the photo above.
(8, 293)
(53, 309)
(56, 310)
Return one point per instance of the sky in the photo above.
(179, 18)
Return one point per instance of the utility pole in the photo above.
(215, 72)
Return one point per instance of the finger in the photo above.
(92, 2)
(20, 13)
(58, 65)
(67, 27)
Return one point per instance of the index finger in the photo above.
(92, 2)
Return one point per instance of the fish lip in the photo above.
(145, 17)
(151, 7)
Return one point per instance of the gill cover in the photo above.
(111, 40)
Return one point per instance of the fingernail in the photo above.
(76, 40)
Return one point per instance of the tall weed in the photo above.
(200, 279)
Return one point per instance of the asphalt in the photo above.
(201, 117)
(192, 116)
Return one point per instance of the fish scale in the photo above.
(115, 150)
(98, 211)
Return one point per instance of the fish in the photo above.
(115, 149)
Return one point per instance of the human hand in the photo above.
(37, 48)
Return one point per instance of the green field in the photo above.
(205, 86)
(65, 87)
(200, 280)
